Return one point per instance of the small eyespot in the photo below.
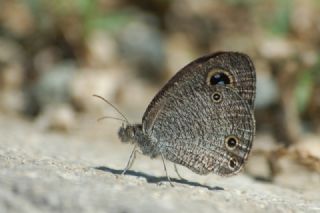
(217, 97)
(233, 163)
(231, 142)
(219, 77)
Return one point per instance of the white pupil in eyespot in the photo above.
(220, 78)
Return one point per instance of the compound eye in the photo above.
(131, 133)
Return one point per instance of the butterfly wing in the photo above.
(201, 124)
(237, 66)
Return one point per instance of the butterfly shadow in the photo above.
(154, 179)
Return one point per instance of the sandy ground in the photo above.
(43, 171)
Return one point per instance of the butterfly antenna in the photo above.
(115, 108)
(110, 117)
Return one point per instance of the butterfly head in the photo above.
(128, 133)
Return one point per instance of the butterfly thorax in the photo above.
(134, 133)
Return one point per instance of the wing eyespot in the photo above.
(233, 163)
(219, 77)
(217, 97)
(231, 142)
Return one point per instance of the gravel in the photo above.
(79, 171)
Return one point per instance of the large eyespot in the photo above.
(233, 163)
(216, 97)
(219, 77)
(231, 142)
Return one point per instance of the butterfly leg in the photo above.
(131, 159)
(177, 172)
(165, 169)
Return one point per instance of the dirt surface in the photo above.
(43, 171)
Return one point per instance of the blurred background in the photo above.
(54, 55)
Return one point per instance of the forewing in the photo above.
(237, 66)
